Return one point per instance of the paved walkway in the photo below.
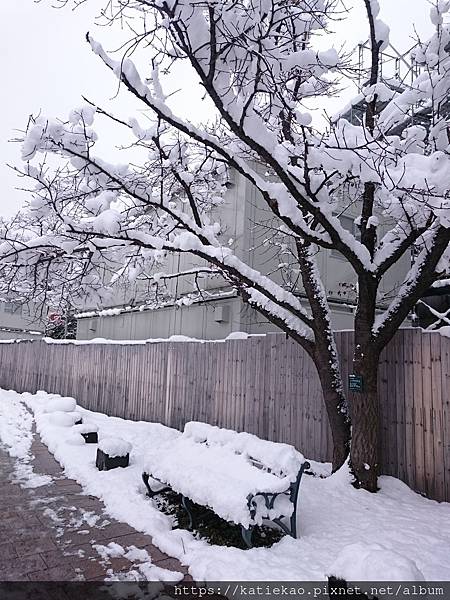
(47, 533)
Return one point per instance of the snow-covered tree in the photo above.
(91, 221)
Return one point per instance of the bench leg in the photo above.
(293, 496)
(150, 492)
(247, 536)
(294, 524)
(187, 505)
(294, 499)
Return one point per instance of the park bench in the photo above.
(238, 476)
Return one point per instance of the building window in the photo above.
(13, 308)
(347, 223)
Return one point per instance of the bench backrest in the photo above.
(282, 460)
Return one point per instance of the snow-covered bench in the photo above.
(240, 477)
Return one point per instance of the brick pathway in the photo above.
(43, 536)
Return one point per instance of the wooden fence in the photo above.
(265, 385)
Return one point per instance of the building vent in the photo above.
(222, 314)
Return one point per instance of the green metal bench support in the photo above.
(269, 499)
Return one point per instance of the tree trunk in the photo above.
(340, 427)
(364, 459)
(337, 409)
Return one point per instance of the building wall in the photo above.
(212, 320)
(249, 228)
(11, 334)
(337, 274)
(20, 321)
(253, 322)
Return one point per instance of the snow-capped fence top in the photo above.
(224, 470)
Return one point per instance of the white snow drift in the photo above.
(392, 535)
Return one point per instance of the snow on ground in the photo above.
(399, 533)
(142, 561)
(16, 423)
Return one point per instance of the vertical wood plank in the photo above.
(399, 465)
(408, 341)
(437, 422)
(427, 431)
(418, 412)
(445, 353)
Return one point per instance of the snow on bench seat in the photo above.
(222, 469)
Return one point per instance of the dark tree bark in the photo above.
(322, 353)
(337, 411)
(364, 460)
(324, 356)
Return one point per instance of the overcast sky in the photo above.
(47, 66)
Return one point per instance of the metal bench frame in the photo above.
(269, 499)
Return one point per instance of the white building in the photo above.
(20, 321)
(249, 225)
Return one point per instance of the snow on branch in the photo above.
(292, 196)
(425, 270)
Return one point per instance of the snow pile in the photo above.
(142, 562)
(85, 428)
(60, 404)
(281, 459)
(217, 477)
(238, 335)
(107, 222)
(111, 550)
(332, 514)
(62, 411)
(221, 468)
(445, 331)
(16, 424)
(235, 335)
(64, 419)
(114, 447)
(374, 562)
